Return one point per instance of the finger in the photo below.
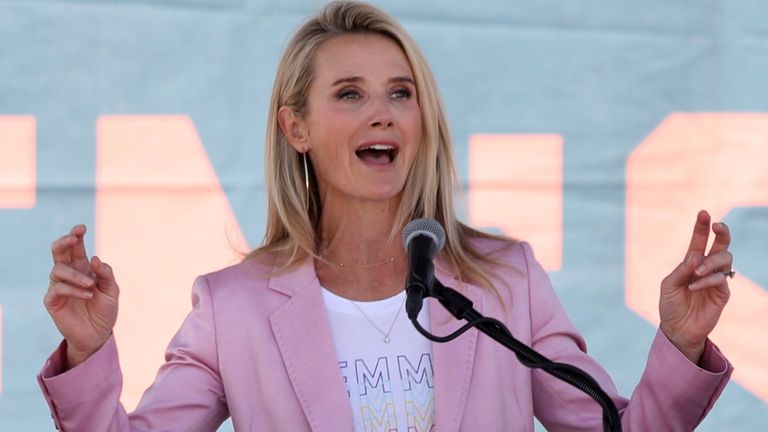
(722, 238)
(61, 249)
(78, 229)
(718, 262)
(713, 280)
(78, 251)
(105, 276)
(61, 290)
(63, 273)
(700, 234)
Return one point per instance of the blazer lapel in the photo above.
(453, 361)
(303, 333)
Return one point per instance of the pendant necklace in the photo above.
(386, 334)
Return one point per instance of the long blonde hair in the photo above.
(293, 217)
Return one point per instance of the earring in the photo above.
(306, 180)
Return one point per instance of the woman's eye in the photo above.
(401, 94)
(348, 94)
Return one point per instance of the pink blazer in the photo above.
(259, 348)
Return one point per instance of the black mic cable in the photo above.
(424, 238)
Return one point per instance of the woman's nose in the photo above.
(381, 122)
(381, 116)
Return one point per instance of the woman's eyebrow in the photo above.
(347, 80)
(356, 79)
(404, 79)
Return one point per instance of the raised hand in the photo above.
(694, 294)
(81, 297)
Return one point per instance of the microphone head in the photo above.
(427, 227)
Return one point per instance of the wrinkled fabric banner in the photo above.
(593, 129)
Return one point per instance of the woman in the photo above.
(307, 334)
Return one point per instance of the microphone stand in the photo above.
(461, 308)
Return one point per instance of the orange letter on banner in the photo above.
(161, 219)
(17, 162)
(694, 161)
(17, 175)
(516, 185)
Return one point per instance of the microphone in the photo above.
(423, 239)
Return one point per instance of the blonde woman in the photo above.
(308, 333)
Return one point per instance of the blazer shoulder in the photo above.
(251, 273)
(515, 253)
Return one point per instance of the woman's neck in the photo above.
(358, 260)
(359, 233)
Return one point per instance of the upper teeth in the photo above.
(379, 147)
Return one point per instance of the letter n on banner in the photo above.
(714, 161)
(516, 185)
(162, 218)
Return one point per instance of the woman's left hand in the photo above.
(694, 294)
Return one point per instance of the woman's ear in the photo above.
(293, 128)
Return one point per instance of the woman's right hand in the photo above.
(81, 298)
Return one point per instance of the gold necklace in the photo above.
(363, 265)
(386, 339)
(342, 265)
(387, 261)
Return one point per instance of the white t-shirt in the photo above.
(390, 385)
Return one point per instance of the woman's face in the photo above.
(363, 123)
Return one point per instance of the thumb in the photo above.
(105, 277)
(681, 275)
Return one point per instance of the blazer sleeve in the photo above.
(187, 393)
(673, 394)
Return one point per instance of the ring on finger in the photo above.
(729, 273)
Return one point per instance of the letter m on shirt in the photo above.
(376, 381)
(419, 376)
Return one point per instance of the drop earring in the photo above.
(306, 181)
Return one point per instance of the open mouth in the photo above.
(378, 154)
